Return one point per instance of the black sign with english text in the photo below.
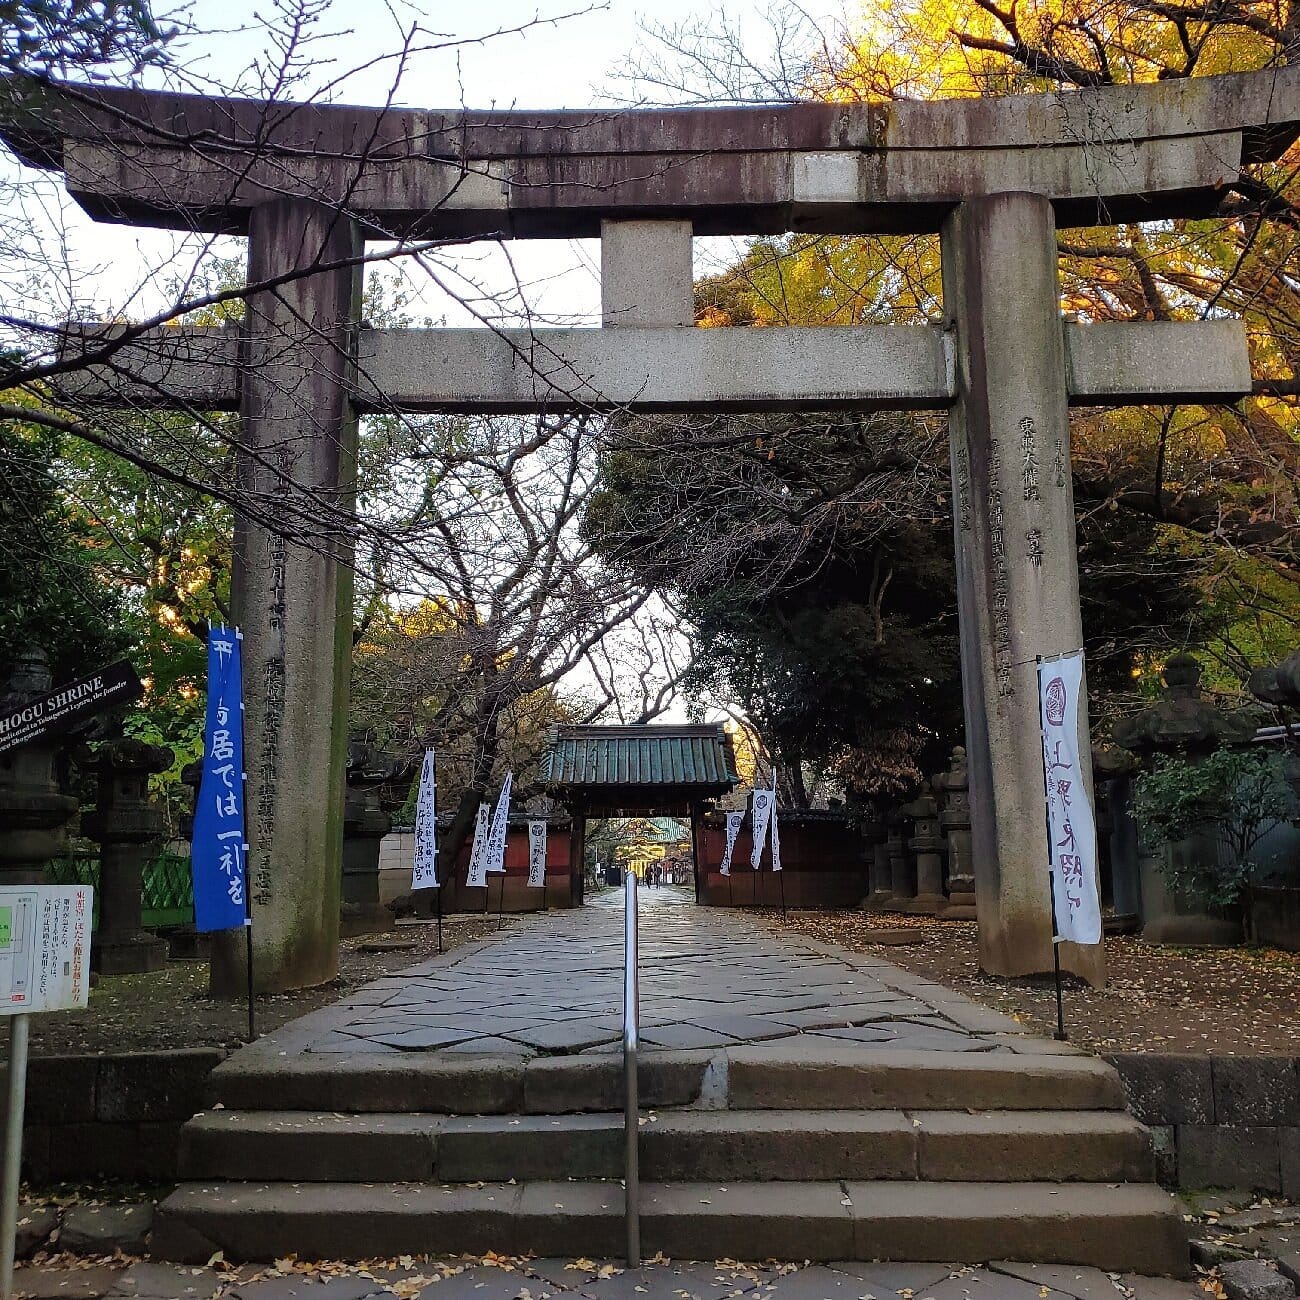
(64, 706)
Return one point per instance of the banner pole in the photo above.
(440, 918)
(1060, 1035)
(248, 883)
(501, 903)
(782, 875)
(248, 949)
(13, 1151)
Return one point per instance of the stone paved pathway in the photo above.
(552, 983)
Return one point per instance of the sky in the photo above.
(559, 61)
(466, 54)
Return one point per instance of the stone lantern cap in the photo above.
(1279, 684)
(1182, 720)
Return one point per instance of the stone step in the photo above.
(259, 1079)
(784, 1075)
(1075, 1146)
(1119, 1228)
(808, 1075)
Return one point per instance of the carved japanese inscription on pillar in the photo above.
(1001, 580)
(273, 669)
(963, 486)
(1029, 450)
(1034, 546)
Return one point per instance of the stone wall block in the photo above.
(152, 1086)
(129, 1152)
(36, 1154)
(1289, 1139)
(1256, 1090)
(61, 1089)
(1164, 1150)
(1167, 1089)
(1215, 1155)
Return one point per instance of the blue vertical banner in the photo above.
(218, 854)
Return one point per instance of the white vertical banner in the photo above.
(496, 862)
(424, 871)
(763, 803)
(734, 822)
(478, 853)
(1072, 831)
(776, 832)
(536, 854)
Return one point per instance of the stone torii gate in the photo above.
(308, 185)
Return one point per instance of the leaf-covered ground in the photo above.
(171, 1007)
(1242, 1001)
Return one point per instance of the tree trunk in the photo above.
(795, 784)
(450, 844)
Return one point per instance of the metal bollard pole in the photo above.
(13, 1151)
(631, 1039)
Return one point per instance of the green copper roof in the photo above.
(646, 755)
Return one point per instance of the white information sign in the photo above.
(1071, 828)
(424, 870)
(44, 947)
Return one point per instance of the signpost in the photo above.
(65, 706)
(44, 966)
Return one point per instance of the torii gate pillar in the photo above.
(1017, 567)
(292, 586)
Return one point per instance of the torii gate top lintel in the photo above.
(1101, 155)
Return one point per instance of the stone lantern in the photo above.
(879, 878)
(927, 844)
(1182, 722)
(365, 823)
(1279, 685)
(1275, 907)
(192, 779)
(954, 787)
(34, 812)
(902, 873)
(128, 828)
(1113, 769)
